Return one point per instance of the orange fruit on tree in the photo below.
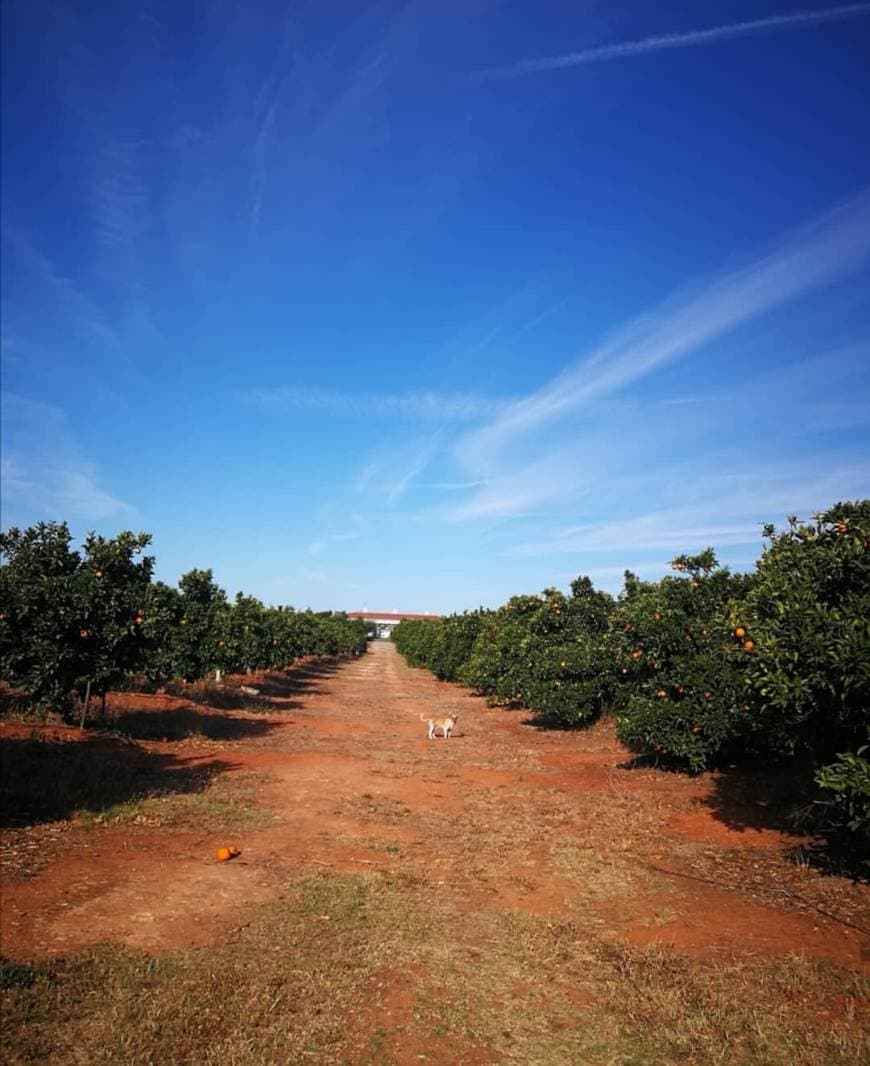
(740, 632)
(661, 693)
(748, 645)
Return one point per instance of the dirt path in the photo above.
(352, 782)
(504, 819)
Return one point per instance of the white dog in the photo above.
(444, 724)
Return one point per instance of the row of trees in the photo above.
(701, 665)
(77, 623)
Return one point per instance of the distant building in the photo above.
(386, 621)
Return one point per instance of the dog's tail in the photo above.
(425, 718)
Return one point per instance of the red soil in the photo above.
(354, 784)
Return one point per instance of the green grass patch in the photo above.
(226, 801)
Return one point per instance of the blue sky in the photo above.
(419, 305)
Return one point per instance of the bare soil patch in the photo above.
(477, 900)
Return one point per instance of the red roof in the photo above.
(389, 616)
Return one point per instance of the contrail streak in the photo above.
(663, 41)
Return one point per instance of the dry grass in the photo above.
(491, 938)
(314, 978)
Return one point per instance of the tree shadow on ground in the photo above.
(295, 680)
(44, 780)
(641, 759)
(176, 723)
(784, 797)
(549, 724)
(224, 697)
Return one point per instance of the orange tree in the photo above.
(416, 639)
(546, 652)
(164, 650)
(442, 645)
(40, 612)
(71, 621)
(282, 641)
(679, 673)
(192, 640)
(248, 637)
(113, 586)
(808, 618)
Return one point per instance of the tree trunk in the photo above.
(85, 703)
(103, 707)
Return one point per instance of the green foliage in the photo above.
(680, 672)
(442, 645)
(73, 620)
(810, 622)
(541, 651)
(700, 665)
(848, 782)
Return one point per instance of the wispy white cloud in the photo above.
(45, 475)
(431, 406)
(726, 510)
(831, 247)
(265, 110)
(121, 198)
(687, 39)
(390, 470)
(64, 296)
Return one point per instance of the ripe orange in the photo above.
(740, 632)
(748, 645)
(226, 853)
(98, 573)
(661, 693)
